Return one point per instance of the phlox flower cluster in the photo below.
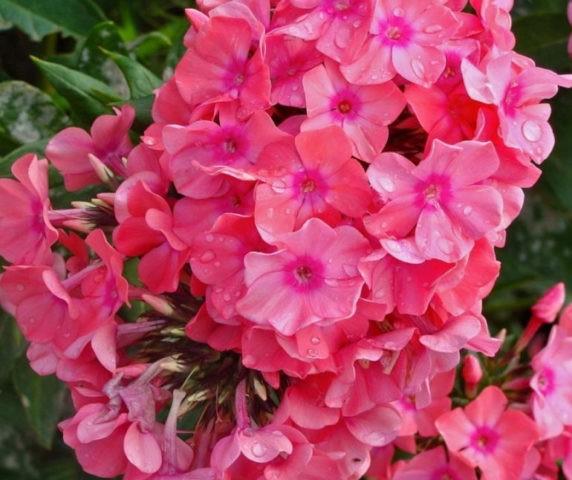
(281, 279)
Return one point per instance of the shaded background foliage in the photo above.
(63, 62)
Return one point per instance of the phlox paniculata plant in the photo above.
(312, 217)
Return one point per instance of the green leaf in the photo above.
(141, 81)
(42, 399)
(13, 345)
(150, 44)
(528, 7)
(87, 96)
(34, 147)
(16, 460)
(41, 17)
(544, 37)
(92, 61)
(27, 114)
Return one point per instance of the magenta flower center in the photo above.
(344, 106)
(308, 186)
(303, 273)
(545, 381)
(484, 439)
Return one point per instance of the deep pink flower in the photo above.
(489, 436)
(312, 278)
(363, 112)
(108, 141)
(27, 233)
(436, 464)
(405, 39)
(442, 202)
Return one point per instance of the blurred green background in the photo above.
(63, 62)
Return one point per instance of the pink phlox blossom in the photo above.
(148, 228)
(289, 58)
(405, 287)
(552, 384)
(339, 26)
(516, 87)
(488, 435)
(405, 39)
(442, 201)
(363, 111)
(311, 279)
(229, 148)
(311, 176)
(108, 142)
(218, 67)
(496, 22)
(27, 233)
(436, 464)
(217, 259)
(218, 335)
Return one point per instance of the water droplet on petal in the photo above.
(209, 237)
(375, 438)
(226, 297)
(398, 12)
(418, 68)
(315, 340)
(331, 282)
(467, 210)
(531, 131)
(311, 353)
(356, 23)
(258, 450)
(433, 28)
(387, 184)
(20, 287)
(207, 256)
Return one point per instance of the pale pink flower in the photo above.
(312, 278)
(363, 112)
(405, 39)
(489, 436)
(442, 202)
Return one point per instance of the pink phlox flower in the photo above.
(365, 378)
(217, 259)
(442, 201)
(42, 305)
(552, 384)
(339, 26)
(313, 176)
(405, 39)
(436, 464)
(419, 410)
(471, 279)
(516, 87)
(259, 445)
(108, 141)
(311, 279)
(289, 58)
(363, 111)
(496, 22)
(488, 435)
(406, 287)
(218, 67)
(218, 335)
(148, 228)
(27, 233)
(151, 161)
(230, 148)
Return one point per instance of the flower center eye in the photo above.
(344, 106)
(341, 6)
(303, 273)
(431, 192)
(393, 33)
(239, 79)
(230, 146)
(308, 186)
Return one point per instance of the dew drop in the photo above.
(418, 68)
(356, 24)
(248, 360)
(278, 186)
(467, 210)
(258, 450)
(531, 131)
(398, 12)
(217, 264)
(209, 237)
(218, 289)
(311, 353)
(331, 282)
(20, 287)
(207, 256)
(315, 340)
(374, 438)
(226, 297)
(387, 184)
(433, 28)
